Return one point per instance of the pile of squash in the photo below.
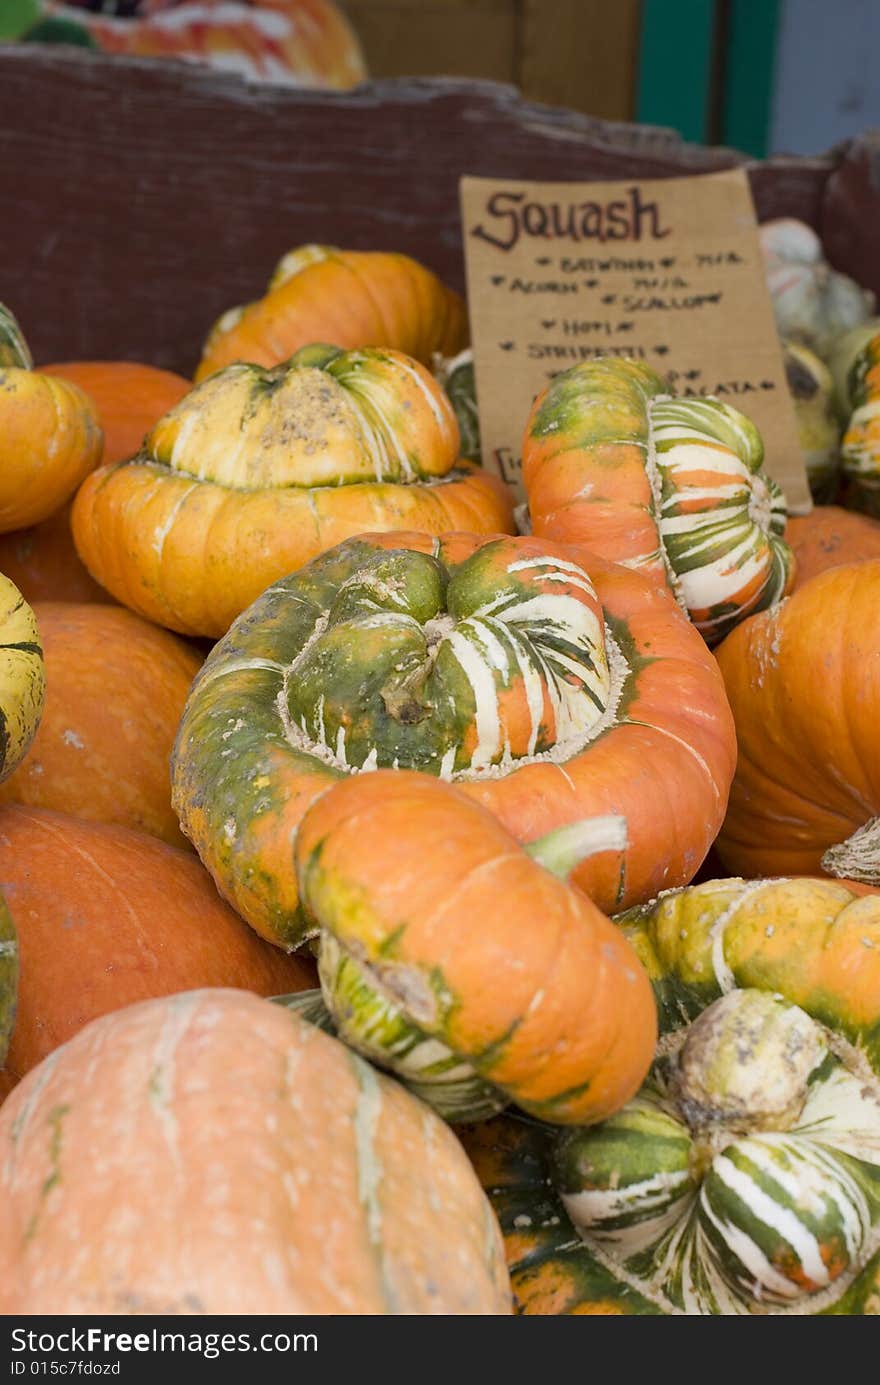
(365, 946)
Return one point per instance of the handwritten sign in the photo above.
(667, 271)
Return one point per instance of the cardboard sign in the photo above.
(667, 271)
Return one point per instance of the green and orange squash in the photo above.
(50, 434)
(116, 688)
(352, 298)
(465, 965)
(860, 449)
(211, 1153)
(550, 685)
(745, 1177)
(192, 529)
(671, 487)
(803, 682)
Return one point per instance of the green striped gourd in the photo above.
(860, 450)
(22, 677)
(14, 350)
(456, 375)
(673, 487)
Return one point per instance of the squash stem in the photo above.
(564, 848)
(858, 858)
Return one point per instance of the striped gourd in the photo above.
(456, 375)
(860, 450)
(811, 386)
(14, 350)
(327, 444)
(748, 1180)
(552, 686)
(672, 487)
(22, 677)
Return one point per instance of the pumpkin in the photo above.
(43, 562)
(671, 487)
(22, 677)
(812, 302)
(8, 977)
(348, 297)
(116, 690)
(299, 42)
(129, 398)
(804, 686)
(329, 443)
(811, 387)
(550, 685)
(221, 1155)
(745, 1176)
(829, 537)
(542, 1004)
(456, 375)
(860, 449)
(50, 435)
(106, 917)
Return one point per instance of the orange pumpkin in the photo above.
(106, 917)
(50, 439)
(830, 536)
(43, 562)
(190, 531)
(129, 399)
(423, 899)
(347, 297)
(222, 1156)
(804, 686)
(116, 690)
(551, 684)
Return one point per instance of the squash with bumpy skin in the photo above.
(351, 298)
(671, 487)
(22, 677)
(191, 530)
(813, 303)
(549, 685)
(803, 683)
(210, 1153)
(396, 869)
(50, 435)
(745, 1177)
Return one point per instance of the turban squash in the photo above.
(803, 683)
(192, 529)
(550, 685)
(347, 297)
(745, 1177)
(672, 487)
(107, 917)
(303, 1181)
(302, 42)
(860, 449)
(451, 956)
(116, 687)
(50, 434)
(22, 677)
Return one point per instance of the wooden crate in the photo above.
(141, 199)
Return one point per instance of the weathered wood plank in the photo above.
(143, 198)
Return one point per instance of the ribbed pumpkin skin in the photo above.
(486, 951)
(830, 536)
(803, 683)
(671, 487)
(107, 917)
(350, 298)
(129, 398)
(22, 677)
(248, 1164)
(191, 531)
(815, 943)
(244, 772)
(116, 688)
(50, 439)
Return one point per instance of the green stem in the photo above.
(563, 849)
